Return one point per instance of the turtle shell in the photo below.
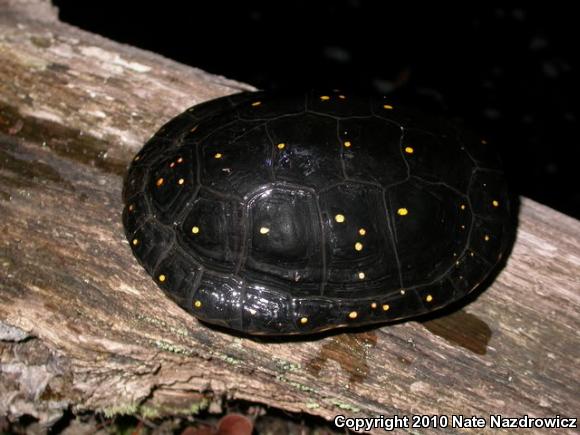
(276, 214)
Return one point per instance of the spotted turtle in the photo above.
(291, 214)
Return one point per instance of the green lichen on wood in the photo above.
(182, 332)
(196, 408)
(229, 359)
(151, 412)
(287, 366)
(344, 406)
(296, 385)
(125, 409)
(173, 348)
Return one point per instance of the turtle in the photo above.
(275, 214)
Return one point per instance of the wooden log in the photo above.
(83, 326)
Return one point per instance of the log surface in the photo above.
(83, 326)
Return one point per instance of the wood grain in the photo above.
(82, 325)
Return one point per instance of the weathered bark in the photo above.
(82, 325)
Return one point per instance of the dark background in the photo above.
(510, 74)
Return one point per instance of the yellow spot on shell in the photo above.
(347, 144)
(462, 206)
(281, 146)
(358, 246)
(304, 320)
(197, 304)
(218, 155)
(342, 97)
(162, 278)
(486, 238)
(495, 203)
(402, 211)
(256, 103)
(361, 275)
(386, 307)
(180, 160)
(195, 230)
(362, 231)
(339, 218)
(136, 159)
(159, 182)
(135, 242)
(409, 150)
(428, 298)
(352, 315)
(387, 106)
(264, 230)
(324, 97)
(374, 305)
(180, 181)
